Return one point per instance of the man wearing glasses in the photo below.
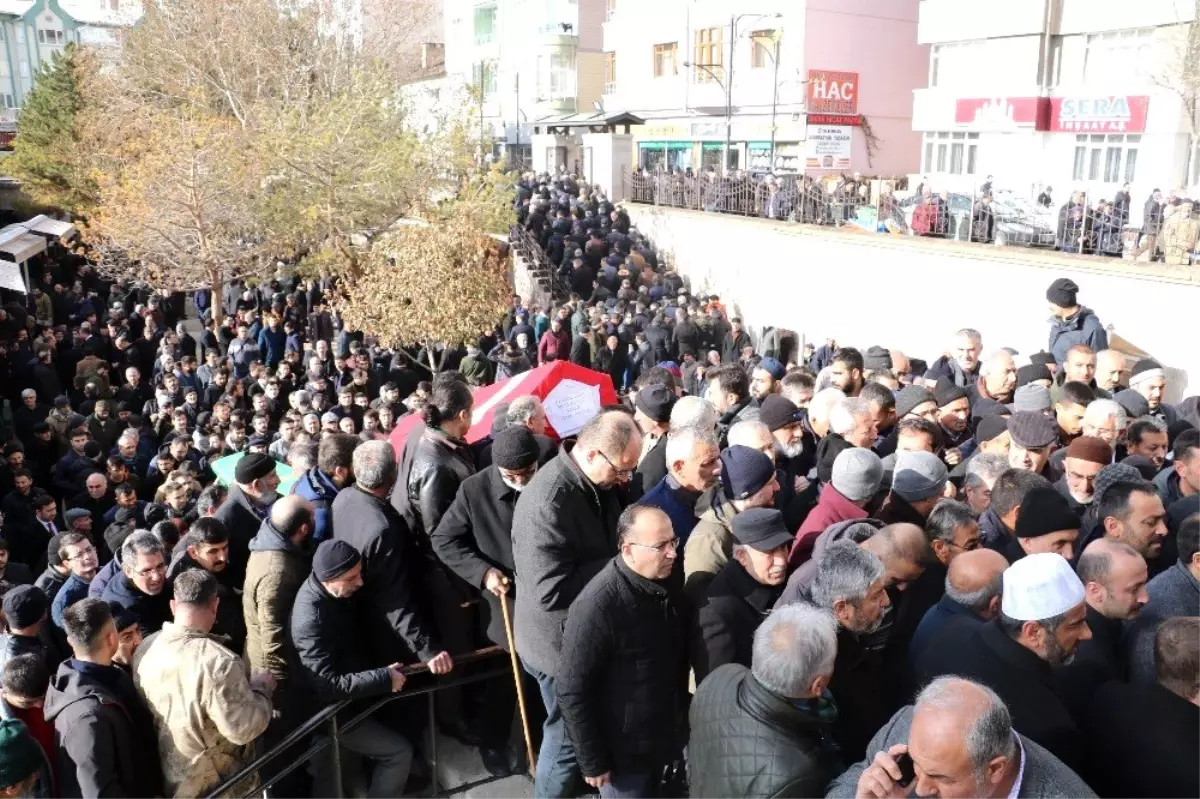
(139, 587)
(563, 535)
(77, 554)
(622, 682)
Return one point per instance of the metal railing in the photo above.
(327, 720)
(1083, 225)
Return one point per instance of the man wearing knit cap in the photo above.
(1034, 436)
(1042, 620)
(954, 414)
(652, 412)
(764, 380)
(748, 480)
(474, 539)
(1071, 324)
(22, 762)
(1045, 524)
(1035, 374)
(254, 488)
(918, 402)
(876, 359)
(1149, 379)
(1086, 456)
(743, 592)
(25, 608)
(857, 473)
(1034, 398)
(335, 665)
(918, 484)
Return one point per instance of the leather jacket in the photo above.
(439, 466)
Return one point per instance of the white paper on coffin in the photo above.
(570, 405)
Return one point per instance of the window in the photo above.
(947, 153)
(485, 24)
(1106, 158)
(10, 101)
(483, 78)
(23, 69)
(946, 62)
(666, 63)
(50, 36)
(610, 73)
(20, 34)
(763, 49)
(610, 8)
(709, 54)
(1119, 57)
(556, 76)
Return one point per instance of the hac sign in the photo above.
(831, 92)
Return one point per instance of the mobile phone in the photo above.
(908, 772)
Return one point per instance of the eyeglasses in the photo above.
(970, 546)
(665, 545)
(159, 569)
(83, 553)
(620, 472)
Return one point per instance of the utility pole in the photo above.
(774, 99)
(729, 97)
(517, 119)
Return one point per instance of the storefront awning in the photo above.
(51, 228)
(10, 277)
(18, 246)
(665, 145)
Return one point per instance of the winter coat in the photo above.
(745, 411)
(727, 617)
(1082, 328)
(206, 712)
(651, 469)
(392, 613)
(800, 581)
(439, 467)
(1175, 592)
(475, 535)
(687, 339)
(859, 684)
(106, 743)
(274, 574)
(49, 582)
(151, 612)
(568, 532)
(831, 508)
(732, 345)
(709, 547)
(1179, 236)
(747, 741)
(1152, 216)
(1147, 725)
(622, 682)
(1022, 679)
(318, 488)
(242, 516)
(1045, 776)
(554, 346)
(1097, 660)
(677, 502)
(230, 623)
(934, 621)
(272, 343)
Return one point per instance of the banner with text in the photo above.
(828, 147)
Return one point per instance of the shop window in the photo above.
(950, 153)
(666, 64)
(708, 62)
(1103, 158)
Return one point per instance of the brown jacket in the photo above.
(709, 546)
(274, 574)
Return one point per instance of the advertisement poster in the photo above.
(828, 147)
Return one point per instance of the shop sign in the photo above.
(835, 119)
(1002, 113)
(828, 147)
(1113, 114)
(831, 92)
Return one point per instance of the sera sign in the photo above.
(832, 92)
(1115, 114)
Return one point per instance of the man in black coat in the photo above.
(363, 518)
(140, 585)
(1143, 737)
(474, 539)
(765, 731)
(334, 665)
(622, 682)
(1042, 620)
(743, 592)
(243, 511)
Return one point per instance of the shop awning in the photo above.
(18, 246)
(51, 228)
(10, 277)
(665, 145)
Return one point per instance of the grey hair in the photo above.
(693, 412)
(682, 441)
(141, 542)
(374, 464)
(610, 432)
(946, 517)
(823, 401)
(844, 415)
(989, 362)
(990, 735)
(1012, 627)
(985, 468)
(1150, 421)
(1102, 409)
(793, 646)
(522, 409)
(846, 571)
(970, 333)
(129, 434)
(976, 601)
(745, 432)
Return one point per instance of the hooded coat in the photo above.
(1083, 327)
(276, 570)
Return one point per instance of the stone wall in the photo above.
(912, 294)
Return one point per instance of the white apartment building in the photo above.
(1073, 94)
(532, 60)
(827, 82)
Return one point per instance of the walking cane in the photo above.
(516, 667)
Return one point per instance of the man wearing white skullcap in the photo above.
(1042, 619)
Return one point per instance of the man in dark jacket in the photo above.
(243, 511)
(390, 605)
(140, 585)
(206, 547)
(1072, 324)
(567, 518)
(474, 539)
(733, 342)
(765, 731)
(321, 484)
(622, 682)
(333, 665)
(105, 734)
(743, 592)
(1143, 736)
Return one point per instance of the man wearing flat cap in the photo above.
(1042, 620)
(254, 489)
(652, 412)
(1034, 436)
(1086, 456)
(474, 539)
(743, 592)
(1070, 323)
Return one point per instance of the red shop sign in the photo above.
(834, 119)
(1002, 113)
(1114, 114)
(832, 92)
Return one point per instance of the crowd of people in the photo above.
(814, 570)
